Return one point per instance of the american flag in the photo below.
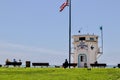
(63, 5)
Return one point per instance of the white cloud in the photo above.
(15, 47)
(18, 51)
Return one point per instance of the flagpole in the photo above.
(69, 32)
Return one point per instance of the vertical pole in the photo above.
(69, 32)
(102, 38)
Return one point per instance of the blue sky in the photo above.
(35, 30)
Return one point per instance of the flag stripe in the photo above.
(63, 5)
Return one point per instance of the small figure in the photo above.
(14, 60)
(85, 65)
(7, 60)
(65, 64)
(19, 60)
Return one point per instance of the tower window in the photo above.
(92, 39)
(82, 38)
(81, 58)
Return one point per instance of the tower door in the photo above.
(82, 60)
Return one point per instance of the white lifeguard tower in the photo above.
(86, 50)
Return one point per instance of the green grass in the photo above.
(59, 74)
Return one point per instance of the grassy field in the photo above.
(59, 74)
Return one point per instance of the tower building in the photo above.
(86, 49)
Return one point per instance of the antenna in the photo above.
(101, 51)
(101, 28)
